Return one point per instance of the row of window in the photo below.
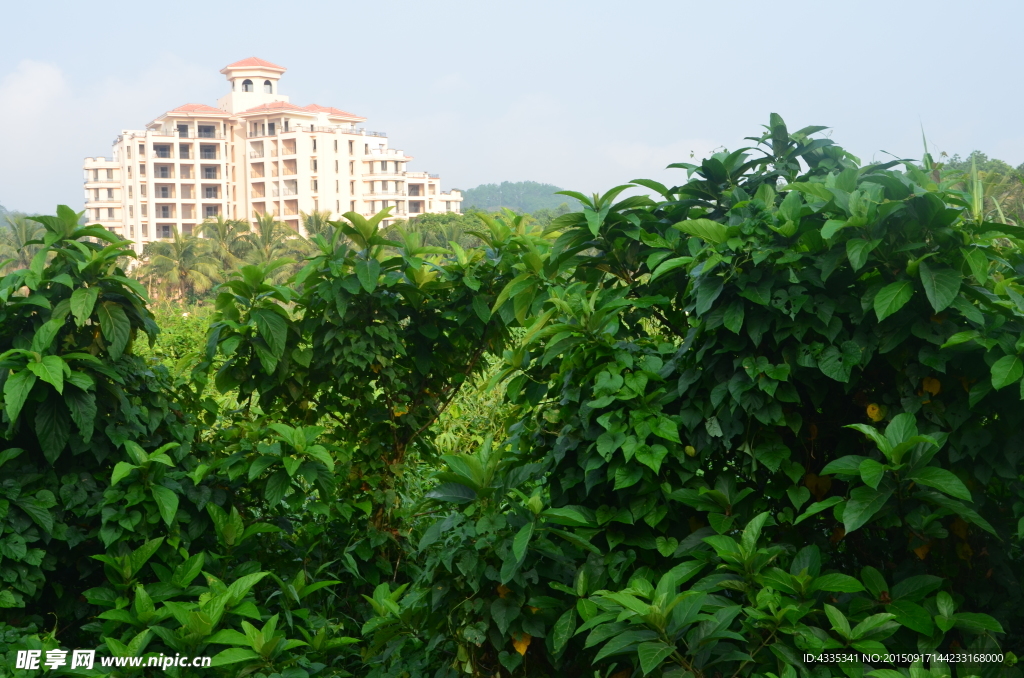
(206, 152)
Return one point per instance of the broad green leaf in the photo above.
(50, 370)
(16, 390)
(837, 362)
(942, 480)
(871, 473)
(503, 612)
(452, 492)
(277, 485)
(115, 326)
(240, 588)
(53, 427)
(941, 285)
(82, 407)
(838, 620)
(1007, 370)
(82, 302)
(233, 655)
(831, 227)
(121, 471)
(708, 230)
(978, 262)
(669, 265)
(9, 454)
(977, 623)
(961, 338)
(845, 466)
(368, 270)
(43, 337)
(166, 503)
(892, 298)
(836, 583)
(863, 504)
(228, 637)
(522, 540)
(564, 629)
(912, 615)
(653, 654)
(872, 624)
(274, 330)
(733, 319)
(857, 251)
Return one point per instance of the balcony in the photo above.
(385, 173)
(278, 192)
(256, 175)
(403, 193)
(255, 154)
(179, 135)
(208, 156)
(360, 132)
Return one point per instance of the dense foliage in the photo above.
(770, 412)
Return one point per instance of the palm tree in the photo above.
(271, 240)
(225, 239)
(183, 263)
(14, 238)
(317, 223)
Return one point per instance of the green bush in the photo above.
(776, 413)
(771, 413)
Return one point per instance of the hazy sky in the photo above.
(584, 94)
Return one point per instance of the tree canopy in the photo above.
(519, 196)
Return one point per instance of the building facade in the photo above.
(254, 154)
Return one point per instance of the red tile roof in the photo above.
(253, 62)
(274, 106)
(334, 112)
(198, 108)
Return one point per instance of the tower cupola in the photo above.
(253, 82)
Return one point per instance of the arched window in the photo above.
(268, 88)
(247, 85)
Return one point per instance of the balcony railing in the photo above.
(255, 154)
(207, 156)
(386, 193)
(256, 175)
(179, 135)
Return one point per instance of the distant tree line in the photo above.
(518, 196)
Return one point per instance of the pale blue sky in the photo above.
(583, 94)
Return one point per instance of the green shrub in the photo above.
(777, 413)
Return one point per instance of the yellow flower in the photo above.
(932, 385)
(503, 591)
(875, 412)
(690, 451)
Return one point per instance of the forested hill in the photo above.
(521, 196)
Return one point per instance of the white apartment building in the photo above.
(255, 153)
